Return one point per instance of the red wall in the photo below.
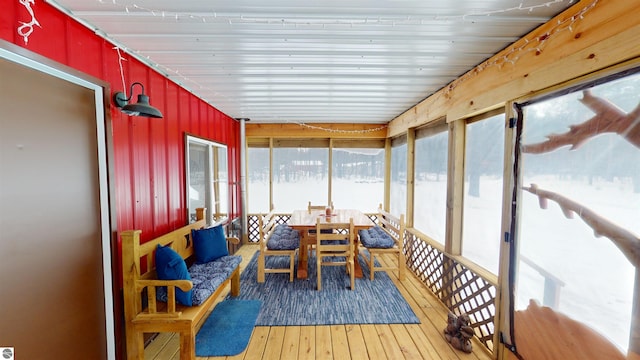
(148, 154)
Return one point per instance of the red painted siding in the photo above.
(148, 154)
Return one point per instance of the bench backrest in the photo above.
(266, 225)
(392, 225)
(135, 254)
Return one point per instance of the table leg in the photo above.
(302, 256)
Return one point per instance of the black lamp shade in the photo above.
(141, 108)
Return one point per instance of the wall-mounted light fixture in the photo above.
(141, 108)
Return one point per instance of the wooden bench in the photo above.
(393, 227)
(138, 269)
(267, 228)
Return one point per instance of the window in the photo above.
(258, 180)
(579, 152)
(430, 202)
(207, 179)
(358, 178)
(484, 158)
(300, 175)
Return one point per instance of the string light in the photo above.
(512, 56)
(341, 131)
(386, 21)
(502, 11)
(25, 29)
(120, 60)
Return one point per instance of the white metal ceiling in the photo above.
(348, 61)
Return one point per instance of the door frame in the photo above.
(23, 57)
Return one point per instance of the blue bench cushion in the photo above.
(207, 278)
(375, 237)
(284, 238)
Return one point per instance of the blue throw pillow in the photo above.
(209, 244)
(171, 266)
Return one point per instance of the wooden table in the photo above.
(304, 221)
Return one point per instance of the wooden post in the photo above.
(132, 300)
(411, 175)
(387, 174)
(201, 213)
(455, 187)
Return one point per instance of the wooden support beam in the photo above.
(326, 131)
(411, 176)
(455, 187)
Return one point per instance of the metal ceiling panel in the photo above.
(348, 61)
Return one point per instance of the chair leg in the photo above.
(319, 270)
(261, 266)
(292, 257)
(372, 262)
(352, 272)
(401, 265)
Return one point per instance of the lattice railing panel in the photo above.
(254, 233)
(252, 225)
(459, 288)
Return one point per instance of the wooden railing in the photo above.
(460, 288)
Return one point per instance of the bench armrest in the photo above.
(151, 285)
(233, 240)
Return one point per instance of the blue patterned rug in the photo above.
(299, 303)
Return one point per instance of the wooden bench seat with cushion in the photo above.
(162, 294)
(385, 238)
(276, 240)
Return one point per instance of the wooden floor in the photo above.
(396, 341)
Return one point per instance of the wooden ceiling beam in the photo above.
(316, 130)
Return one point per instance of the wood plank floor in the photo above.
(395, 341)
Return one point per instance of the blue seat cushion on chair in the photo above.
(207, 278)
(284, 238)
(375, 237)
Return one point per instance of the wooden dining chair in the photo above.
(311, 235)
(311, 207)
(335, 240)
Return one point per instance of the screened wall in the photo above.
(291, 173)
(538, 199)
(580, 201)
